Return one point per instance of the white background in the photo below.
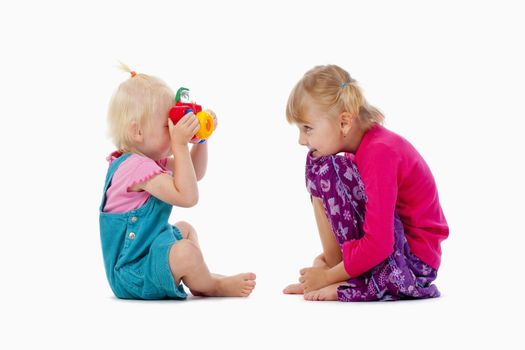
(449, 77)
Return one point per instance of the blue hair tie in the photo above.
(343, 85)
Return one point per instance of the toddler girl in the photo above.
(377, 208)
(144, 256)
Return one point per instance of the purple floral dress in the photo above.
(336, 181)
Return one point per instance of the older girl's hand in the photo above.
(313, 278)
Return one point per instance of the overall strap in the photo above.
(112, 168)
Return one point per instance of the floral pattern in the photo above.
(336, 181)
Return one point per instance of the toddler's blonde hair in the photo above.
(137, 99)
(333, 88)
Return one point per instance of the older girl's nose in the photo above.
(302, 139)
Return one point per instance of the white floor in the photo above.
(71, 319)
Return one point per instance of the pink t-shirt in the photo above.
(396, 178)
(134, 170)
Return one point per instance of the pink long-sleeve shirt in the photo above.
(396, 178)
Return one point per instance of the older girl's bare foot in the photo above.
(240, 285)
(328, 293)
(294, 289)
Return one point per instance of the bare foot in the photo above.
(294, 289)
(240, 285)
(199, 294)
(328, 293)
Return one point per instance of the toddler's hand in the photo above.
(313, 278)
(182, 133)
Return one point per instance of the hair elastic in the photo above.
(133, 73)
(343, 85)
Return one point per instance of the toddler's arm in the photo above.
(199, 158)
(199, 154)
(181, 189)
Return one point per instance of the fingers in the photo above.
(304, 284)
(302, 278)
(306, 288)
(195, 125)
(186, 128)
(191, 123)
(187, 118)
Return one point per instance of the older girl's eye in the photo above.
(307, 128)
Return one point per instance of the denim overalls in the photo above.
(135, 246)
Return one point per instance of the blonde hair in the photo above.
(333, 88)
(137, 99)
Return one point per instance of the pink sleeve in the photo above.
(378, 169)
(145, 170)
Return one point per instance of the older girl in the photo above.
(377, 208)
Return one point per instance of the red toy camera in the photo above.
(183, 106)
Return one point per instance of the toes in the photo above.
(249, 276)
(245, 293)
(250, 283)
(312, 296)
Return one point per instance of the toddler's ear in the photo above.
(135, 132)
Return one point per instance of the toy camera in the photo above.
(183, 106)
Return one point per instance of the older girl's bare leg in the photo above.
(331, 255)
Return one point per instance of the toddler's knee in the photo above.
(185, 252)
(185, 228)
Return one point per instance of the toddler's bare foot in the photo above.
(328, 293)
(240, 285)
(294, 289)
(199, 294)
(196, 293)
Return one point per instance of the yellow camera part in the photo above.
(206, 122)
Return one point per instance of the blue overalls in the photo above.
(136, 245)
